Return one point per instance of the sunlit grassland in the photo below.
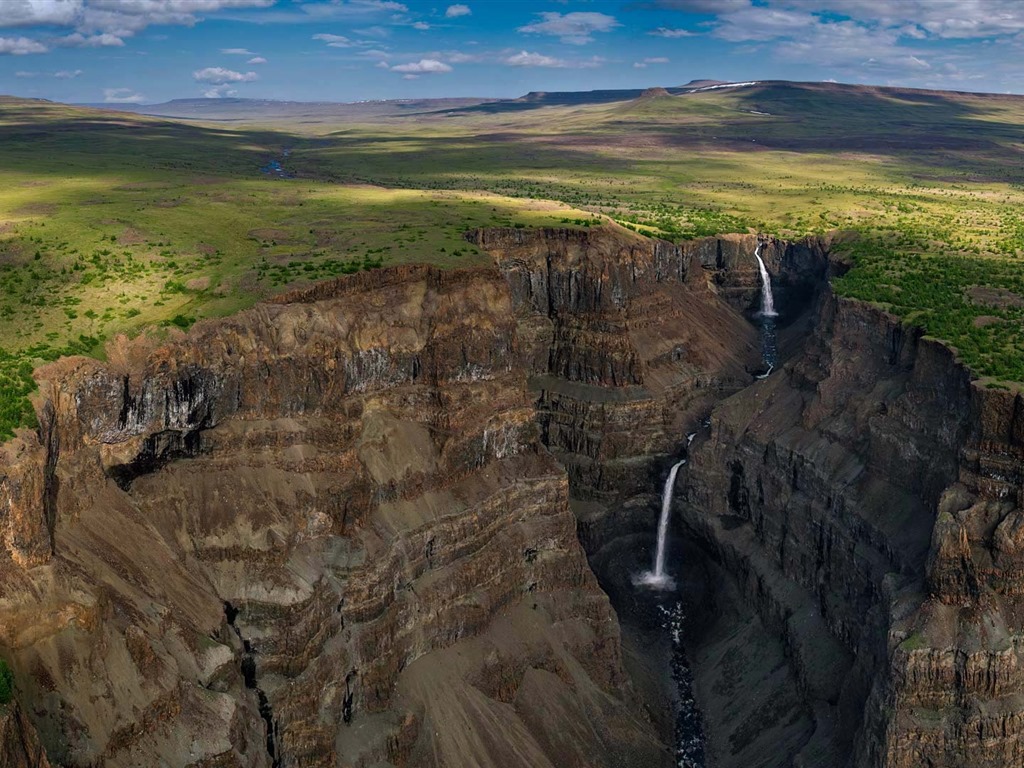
(118, 223)
(113, 224)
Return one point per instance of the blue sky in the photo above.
(347, 50)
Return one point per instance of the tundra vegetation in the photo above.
(116, 223)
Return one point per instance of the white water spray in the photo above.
(767, 300)
(658, 579)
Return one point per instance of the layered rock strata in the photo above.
(866, 500)
(333, 530)
(322, 533)
(629, 342)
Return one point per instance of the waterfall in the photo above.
(658, 579)
(767, 300)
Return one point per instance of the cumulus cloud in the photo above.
(576, 28)
(421, 25)
(648, 61)
(864, 38)
(78, 40)
(458, 57)
(528, 59)
(96, 23)
(454, 11)
(256, 60)
(220, 75)
(346, 9)
(949, 19)
(423, 66)
(702, 6)
(334, 41)
(219, 92)
(20, 46)
(237, 51)
(67, 74)
(740, 20)
(27, 13)
(671, 33)
(122, 96)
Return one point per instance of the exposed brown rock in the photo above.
(341, 519)
(328, 520)
(19, 742)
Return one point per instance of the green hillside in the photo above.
(115, 223)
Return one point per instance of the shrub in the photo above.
(6, 683)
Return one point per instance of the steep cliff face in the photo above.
(629, 342)
(862, 501)
(335, 530)
(19, 743)
(865, 499)
(310, 535)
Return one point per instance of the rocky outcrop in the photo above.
(19, 743)
(630, 341)
(307, 535)
(865, 500)
(336, 529)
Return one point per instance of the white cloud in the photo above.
(454, 11)
(423, 66)
(350, 9)
(576, 28)
(256, 60)
(702, 6)
(27, 13)
(22, 73)
(671, 33)
(122, 96)
(95, 23)
(761, 23)
(220, 75)
(421, 25)
(458, 57)
(334, 41)
(374, 31)
(20, 46)
(237, 51)
(67, 74)
(219, 92)
(410, 77)
(951, 19)
(527, 59)
(78, 40)
(648, 61)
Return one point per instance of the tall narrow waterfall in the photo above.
(767, 300)
(658, 579)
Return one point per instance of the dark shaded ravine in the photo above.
(395, 471)
(667, 632)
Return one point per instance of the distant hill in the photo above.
(247, 110)
(230, 109)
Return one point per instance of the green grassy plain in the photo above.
(114, 223)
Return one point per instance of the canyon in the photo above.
(394, 518)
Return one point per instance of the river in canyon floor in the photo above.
(654, 625)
